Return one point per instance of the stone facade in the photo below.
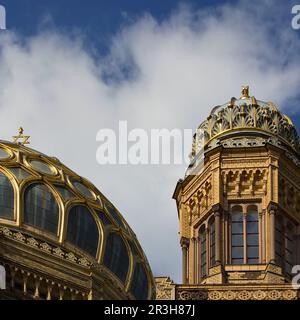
(239, 207)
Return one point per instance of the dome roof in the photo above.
(245, 122)
(43, 199)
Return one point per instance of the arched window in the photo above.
(116, 256)
(252, 235)
(244, 235)
(284, 243)
(237, 235)
(82, 229)
(139, 285)
(203, 255)
(40, 208)
(212, 242)
(6, 198)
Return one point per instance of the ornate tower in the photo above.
(239, 206)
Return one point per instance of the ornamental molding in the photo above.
(200, 201)
(165, 289)
(244, 181)
(248, 115)
(237, 294)
(44, 246)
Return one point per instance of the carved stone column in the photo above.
(184, 246)
(272, 208)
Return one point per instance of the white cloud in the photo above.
(177, 70)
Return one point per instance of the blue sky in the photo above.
(168, 64)
(98, 21)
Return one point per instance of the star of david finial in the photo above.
(21, 138)
(245, 92)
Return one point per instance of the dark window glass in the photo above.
(139, 286)
(65, 193)
(238, 252)
(19, 173)
(134, 248)
(6, 198)
(289, 248)
(212, 243)
(203, 251)
(116, 256)
(252, 240)
(237, 261)
(237, 240)
(103, 218)
(237, 215)
(252, 227)
(253, 261)
(82, 230)
(279, 241)
(252, 235)
(237, 227)
(41, 209)
(115, 216)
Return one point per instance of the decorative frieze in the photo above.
(44, 246)
(236, 294)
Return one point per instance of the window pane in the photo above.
(19, 173)
(237, 227)
(134, 249)
(6, 198)
(253, 261)
(64, 192)
(83, 189)
(82, 230)
(252, 252)
(237, 252)
(278, 247)
(237, 217)
(252, 227)
(252, 239)
(289, 256)
(237, 240)
(103, 218)
(41, 209)
(4, 154)
(237, 261)
(115, 216)
(139, 286)
(41, 167)
(252, 216)
(203, 252)
(116, 256)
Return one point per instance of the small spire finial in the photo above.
(245, 92)
(16, 139)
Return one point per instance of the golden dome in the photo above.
(245, 122)
(47, 205)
